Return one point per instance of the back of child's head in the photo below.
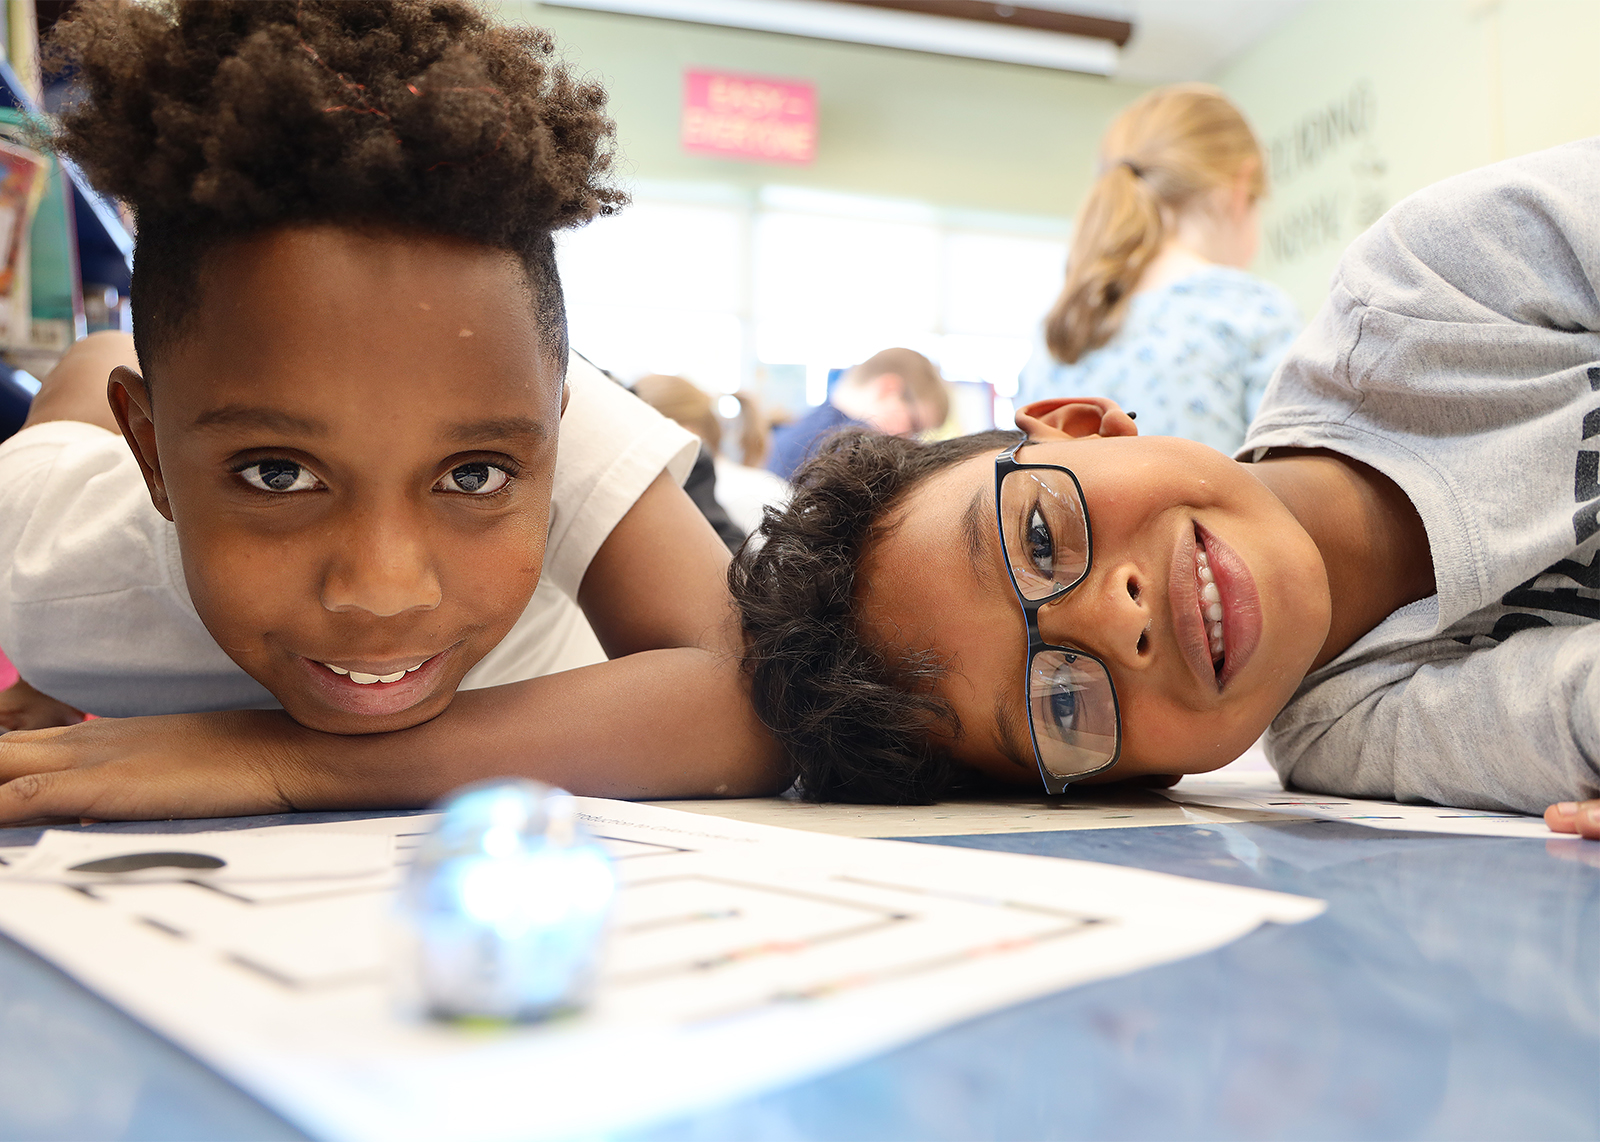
(921, 377)
(1165, 151)
(216, 120)
(684, 401)
(856, 722)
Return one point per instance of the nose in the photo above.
(1108, 614)
(382, 564)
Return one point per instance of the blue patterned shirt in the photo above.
(1192, 358)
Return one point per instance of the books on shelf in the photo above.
(23, 175)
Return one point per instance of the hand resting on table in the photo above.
(1581, 817)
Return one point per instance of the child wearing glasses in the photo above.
(356, 471)
(1398, 572)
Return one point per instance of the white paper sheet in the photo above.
(1087, 808)
(742, 957)
(1262, 792)
(222, 857)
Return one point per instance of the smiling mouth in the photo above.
(361, 678)
(1210, 605)
(377, 687)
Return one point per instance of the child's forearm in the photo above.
(668, 723)
(663, 723)
(76, 388)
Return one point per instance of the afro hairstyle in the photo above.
(214, 120)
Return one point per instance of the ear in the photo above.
(1075, 417)
(130, 404)
(566, 395)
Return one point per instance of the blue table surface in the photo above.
(1451, 991)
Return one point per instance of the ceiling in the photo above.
(1172, 40)
(1176, 40)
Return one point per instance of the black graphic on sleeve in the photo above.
(1586, 479)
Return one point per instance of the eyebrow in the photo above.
(979, 535)
(254, 416)
(497, 428)
(276, 420)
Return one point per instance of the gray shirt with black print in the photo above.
(1459, 354)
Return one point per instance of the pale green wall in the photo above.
(952, 132)
(1449, 84)
(1444, 86)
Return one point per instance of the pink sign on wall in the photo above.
(749, 117)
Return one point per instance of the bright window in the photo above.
(771, 292)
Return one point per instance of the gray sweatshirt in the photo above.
(1459, 354)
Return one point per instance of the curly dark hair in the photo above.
(217, 119)
(856, 724)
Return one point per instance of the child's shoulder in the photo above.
(40, 441)
(1501, 234)
(77, 523)
(47, 466)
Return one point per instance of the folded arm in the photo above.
(1515, 726)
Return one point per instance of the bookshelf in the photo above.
(76, 239)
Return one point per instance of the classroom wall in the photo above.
(952, 132)
(1361, 102)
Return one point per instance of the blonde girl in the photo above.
(1157, 310)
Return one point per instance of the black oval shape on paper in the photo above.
(138, 862)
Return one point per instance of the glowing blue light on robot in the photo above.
(505, 908)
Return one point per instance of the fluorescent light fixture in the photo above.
(912, 31)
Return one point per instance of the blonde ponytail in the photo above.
(1118, 233)
(1168, 147)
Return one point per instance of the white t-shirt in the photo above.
(94, 610)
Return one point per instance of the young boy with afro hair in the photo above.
(371, 476)
(1400, 572)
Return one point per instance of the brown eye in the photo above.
(475, 479)
(1040, 543)
(279, 476)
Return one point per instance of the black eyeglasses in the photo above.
(1044, 534)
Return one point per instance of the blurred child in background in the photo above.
(742, 488)
(897, 391)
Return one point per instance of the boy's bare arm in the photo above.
(76, 388)
(667, 723)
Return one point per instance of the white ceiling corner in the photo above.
(1181, 40)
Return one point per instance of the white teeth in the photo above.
(1210, 600)
(361, 679)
